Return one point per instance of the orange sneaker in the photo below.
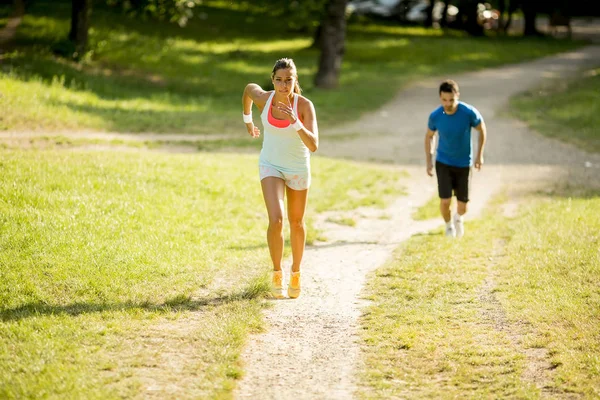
(277, 284)
(294, 287)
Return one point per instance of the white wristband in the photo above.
(297, 125)
(247, 118)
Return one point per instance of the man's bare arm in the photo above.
(429, 148)
(481, 146)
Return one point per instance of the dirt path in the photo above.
(310, 350)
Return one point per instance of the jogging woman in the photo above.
(290, 135)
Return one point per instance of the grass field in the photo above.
(566, 110)
(110, 260)
(510, 311)
(138, 78)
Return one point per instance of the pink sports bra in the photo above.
(278, 123)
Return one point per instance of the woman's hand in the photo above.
(287, 111)
(253, 130)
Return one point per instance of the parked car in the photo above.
(418, 12)
(486, 15)
(388, 9)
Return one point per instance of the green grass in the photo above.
(431, 209)
(554, 285)
(138, 77)
(455, 317)
(100, 248)
(566, 110)
(370, 187)
(115, 265)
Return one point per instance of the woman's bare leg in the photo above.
(296, 207)
(273, 192)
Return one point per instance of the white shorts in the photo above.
(297, 180)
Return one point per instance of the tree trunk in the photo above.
(80, 24)
(512, 7)
(429, 13)
(332, 44)
(318, 38)
(468, 15)
(529, 15)
(501, 10)
(444, 20)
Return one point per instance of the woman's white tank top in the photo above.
(282, 147)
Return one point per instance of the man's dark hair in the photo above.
(449, 86)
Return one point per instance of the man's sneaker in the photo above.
(450, 230)
(459, 226)
(277, 284)
(294, 287)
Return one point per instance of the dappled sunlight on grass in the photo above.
(108, 253)
(49, 102)
(567, 110)
(472, 56)
(140, 104)
(393, 43)
(241, 66)
(451, 316)
(395, 30)
(244, 6)
(552, 280)
(39, 29)
(375, 185)
(193, 59)
(207, 64)
(290, 45)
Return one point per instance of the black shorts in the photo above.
(457, 179)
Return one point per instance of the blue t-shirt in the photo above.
(454, 132)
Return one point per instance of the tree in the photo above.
(429, 14)
(501, 10)
(530, 9)
(299, 15)
(468, 17)
(80, 24)
(444, 20)
(333, 38)
(179, 11)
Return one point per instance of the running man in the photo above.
(452, 122)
